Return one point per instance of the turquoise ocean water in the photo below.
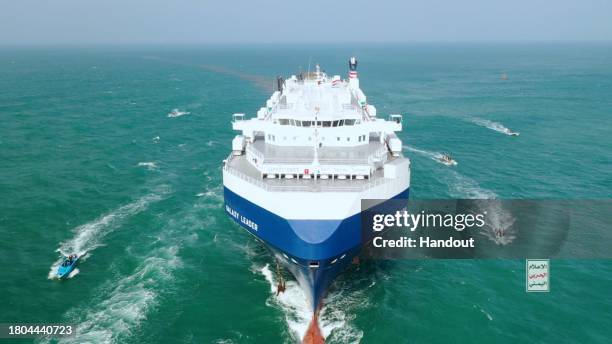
(91, 162)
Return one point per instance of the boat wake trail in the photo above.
(435, 156)
(464, 187)
(459, 185)
(495, 126)
(499, 220)
(128, 301)
(499, 224)
(177, 113)
(89, 236)
(148, 164)
(122, 304)
(334, 320)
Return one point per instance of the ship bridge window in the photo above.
(283, 121)
(298, 123)
(349, 121)
(306, 124)
(335, 123)
(292, 122)
(326, 124)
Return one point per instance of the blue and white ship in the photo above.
(299, 170)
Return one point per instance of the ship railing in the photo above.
(376, 156)
(252, 151)
(321, 160)
(311, 186)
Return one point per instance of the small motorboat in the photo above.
(67, 266)
(446, 159)
(177, 113)
(513, 133)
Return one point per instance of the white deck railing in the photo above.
(306, 185)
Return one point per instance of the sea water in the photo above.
(92, 163)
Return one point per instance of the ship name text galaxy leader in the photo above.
(299, 170)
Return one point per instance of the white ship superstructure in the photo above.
(300, 168)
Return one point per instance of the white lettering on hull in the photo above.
(243, 219)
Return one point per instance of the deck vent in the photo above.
(313, 265)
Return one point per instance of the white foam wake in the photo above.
(338, 313)
(435, 156)
(127, 303)
(292, 302)
(177, 113)
(212, 194)
(148, 164)
(334, 319)
(499, 224)
(74, 273)
(499, 221)
(89, 236)
(461, 186)
(495, 126)
(121, 306)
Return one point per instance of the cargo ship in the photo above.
(300, 168)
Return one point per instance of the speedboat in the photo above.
(67, 266)
(177, 113)
(513, 133)
(446, 159)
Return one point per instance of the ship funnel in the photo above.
(353, 68)
(353, 63)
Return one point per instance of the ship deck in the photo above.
(303, 99)
(240, 167)
(358, 155)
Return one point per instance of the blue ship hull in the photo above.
(332, 245)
